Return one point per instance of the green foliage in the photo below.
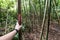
(16, 37)
(8, 9)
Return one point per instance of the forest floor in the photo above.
(34, 34)
(54, 33)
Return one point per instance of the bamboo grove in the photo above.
(37, 16)
(39, 13)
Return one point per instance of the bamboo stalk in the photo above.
(19, 19)
(43, 21)
(54, 2)
(49, 11)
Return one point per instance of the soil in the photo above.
(34, 34)
(54, 31)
